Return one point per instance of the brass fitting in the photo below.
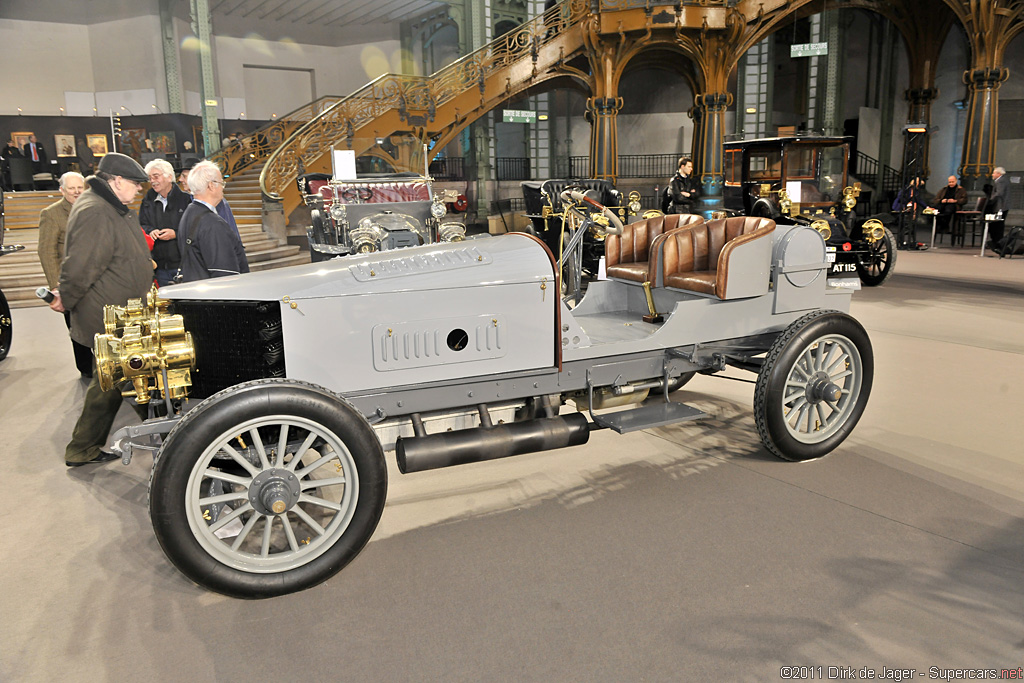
(822, 226)
(873, 230)
(142, 340)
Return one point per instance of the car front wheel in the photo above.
(267, 488)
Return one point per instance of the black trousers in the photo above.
(83, 354)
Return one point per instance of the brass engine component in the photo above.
(651, 213)
(850, 195)
(142, 340)
(785, 203)
(634, 202)
(873, 230)
(822, 226)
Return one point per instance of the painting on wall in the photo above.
(65, 145)
(164, 142)
(21, 138)
(97, 143)
(133, 142)
(197, 138)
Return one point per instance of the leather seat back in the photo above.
(693, 256)
(637, 246)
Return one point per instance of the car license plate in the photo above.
(830, 254)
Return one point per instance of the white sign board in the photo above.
(343, 163)
(808, 50)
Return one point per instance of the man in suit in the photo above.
(34, 151)
(10, 151)
(1000, 201)
(53, 226)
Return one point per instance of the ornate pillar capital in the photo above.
(603, 112)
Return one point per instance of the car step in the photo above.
(654, 414)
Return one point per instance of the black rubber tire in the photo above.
(763, 208)
(879, 266)
(6, 327)
(185, 445)
(785, 351)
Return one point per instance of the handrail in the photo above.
(399, 93)
(259, 145)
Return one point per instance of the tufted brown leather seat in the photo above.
(634, 254)
(698, 258)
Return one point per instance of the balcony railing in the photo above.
(448, 168)
(512, 168)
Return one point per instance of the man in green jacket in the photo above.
(53, 228)
(106, 263)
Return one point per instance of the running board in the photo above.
(657, 414)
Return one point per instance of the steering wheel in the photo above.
(350, 194)
(615, 227)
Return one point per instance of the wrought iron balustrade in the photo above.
(512, 168)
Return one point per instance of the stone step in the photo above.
(296, 260)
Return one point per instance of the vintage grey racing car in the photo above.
(275, 395)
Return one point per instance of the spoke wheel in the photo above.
(6, 327)
(813, 385)
(267, 488)
(876, 266)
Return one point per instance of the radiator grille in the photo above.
(236, 341)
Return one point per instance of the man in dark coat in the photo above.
(1000, 201)
(34, 152)
(684, 188)
(948, 201)
(106, 262)
(209, 247)
(160, 214)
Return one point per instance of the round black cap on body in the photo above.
(122, 165)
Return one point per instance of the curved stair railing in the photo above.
(261, 143)
(394, 102)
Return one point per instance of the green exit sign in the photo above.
(808, 50)
(519, 116)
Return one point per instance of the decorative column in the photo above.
(712, 137)
(172, 69)
(207, 90)
(920, 111)
(602, 112)
(982, 116)
(696, 114)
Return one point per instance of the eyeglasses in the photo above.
(218, 182)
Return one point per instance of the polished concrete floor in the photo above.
(684, 553)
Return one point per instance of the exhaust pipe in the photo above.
(419, 453)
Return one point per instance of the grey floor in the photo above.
(677, 554)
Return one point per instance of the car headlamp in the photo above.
(437, 209)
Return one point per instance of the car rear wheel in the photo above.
(267, 488)
(813, 385)
(875, 266)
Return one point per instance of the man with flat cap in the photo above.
(106, 263)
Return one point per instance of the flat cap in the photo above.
(122, 165)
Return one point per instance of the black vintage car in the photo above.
(804, 179)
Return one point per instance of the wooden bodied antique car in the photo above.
(803, 179)
(375, 213)
(269, 473)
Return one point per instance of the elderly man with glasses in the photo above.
(209, 247)
(106, 262)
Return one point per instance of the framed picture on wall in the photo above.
(21, 138)
(133, 142)
(164, 142)
(65, 145)
(197, 138)
(97, 143)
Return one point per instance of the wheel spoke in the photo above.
(310, 522)
(323, 460)
(821, 416)
(267, 528)
(224, 498)
(795, 395)
(843, 358)
(320, 502)
(289, 533)
(211, 473)
(282, 445)
(240, 459)
(819, 357)
(297, 458)
(257, 441)
(227, 519)
(317, 483)
(245, 530)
